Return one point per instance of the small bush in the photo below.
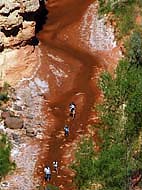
(115, 6)
(4, 96)
(5, 86)
(4, 93)
(134, 49)
(48, 187)
(124, 13)
(5, 164)
(126, 22)
(51, 187)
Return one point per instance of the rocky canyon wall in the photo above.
(17, 24)
(17, 30)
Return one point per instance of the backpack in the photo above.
(66, 129)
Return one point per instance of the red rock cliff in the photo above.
(17, 23)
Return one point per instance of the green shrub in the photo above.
(5, 164)
(110, 167)
(126, 22)
(51, 187)
(5, 86)
(4, 93)
(134, 49)
(115, 6)
(4, 96)
(48, 187)
(84, 164)
(124, 13)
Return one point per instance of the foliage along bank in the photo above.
(120, 157)
(6, 164)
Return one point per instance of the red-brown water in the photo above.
(80, 65)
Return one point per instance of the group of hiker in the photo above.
(47, 170)
(72, 109)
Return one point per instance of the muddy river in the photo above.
(74, 70)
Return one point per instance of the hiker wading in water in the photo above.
(47, 172)
(66, 130)
(72, 109)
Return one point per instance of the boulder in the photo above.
(15, 137)
(31, 5)
(5, 114)
(17, 108)
(4, 184)
(11, 21)
(30, 116)
(30, 132)
(14, 122)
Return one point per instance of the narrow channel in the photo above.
(62, 14)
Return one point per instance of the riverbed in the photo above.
(75, 46)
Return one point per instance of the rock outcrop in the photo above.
(14, 122)
(18, 25)
(17, 21)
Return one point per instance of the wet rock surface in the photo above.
(30, 132)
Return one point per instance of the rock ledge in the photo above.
(17, 21)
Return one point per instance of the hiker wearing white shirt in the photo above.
(55, 165)
(47, 172)
(72, 109)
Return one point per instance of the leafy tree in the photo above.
(134, 49)
(84, 164)
(110, 167)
